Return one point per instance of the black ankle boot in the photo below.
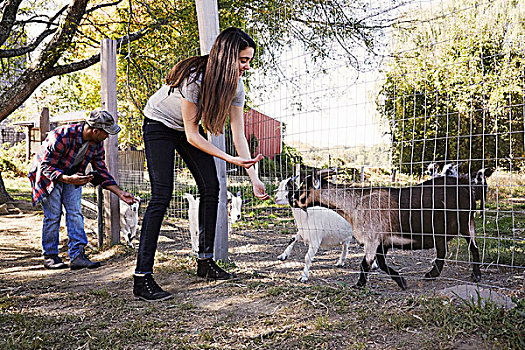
(207, 268)
(145, 288)
(81, 261)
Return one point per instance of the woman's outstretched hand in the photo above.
(259, 191)
(258, 187)
(246, 162)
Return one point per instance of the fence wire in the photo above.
(446, 90)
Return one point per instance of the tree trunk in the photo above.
(4, 196)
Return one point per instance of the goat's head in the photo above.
(450, 170)
(235, 206)
(285, 192)
(480, 176)
(135, 207)
(432, 169)
(309, 190)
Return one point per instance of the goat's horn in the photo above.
(324, 173)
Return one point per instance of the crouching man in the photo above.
(57, 175)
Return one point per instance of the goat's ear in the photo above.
(316, 183)
(488, 171)
(295, 181)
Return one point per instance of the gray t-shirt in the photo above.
(166, 108)
(81, 154)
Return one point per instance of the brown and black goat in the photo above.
(424, 216)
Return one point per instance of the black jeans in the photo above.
(161, 143)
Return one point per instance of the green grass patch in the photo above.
(19, 188)
(500, 238)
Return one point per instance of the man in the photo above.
(57, 177)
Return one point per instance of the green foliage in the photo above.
(12, 160)
(73, 92)
(455, 90)
(283, 164)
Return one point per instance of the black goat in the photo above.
(424, 216)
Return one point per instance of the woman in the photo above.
(202, 89)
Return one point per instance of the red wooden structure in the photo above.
(267, 131)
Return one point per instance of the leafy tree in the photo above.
(454, 90)
(154, 34)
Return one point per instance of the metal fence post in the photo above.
(208, 19)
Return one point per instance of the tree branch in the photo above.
(20, 91)
(74, 67)
(23, 50)
(8, 19)
(94, 8)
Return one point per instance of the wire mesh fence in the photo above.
(445, 92)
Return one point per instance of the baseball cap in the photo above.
(102, 119)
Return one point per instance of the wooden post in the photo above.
(44, 123)
(28, 143)
(108, 91)
(100, 218)
(208, 20)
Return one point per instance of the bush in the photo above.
(12, 160)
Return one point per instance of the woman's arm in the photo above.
(241, 145)
(189, 111)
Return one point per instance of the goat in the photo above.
(423, 216)
(478, 182)
(449, 170)
(234, 206)
(193, 218)
(234, 213)
(129, 219)
(316, 227)
(432, 170)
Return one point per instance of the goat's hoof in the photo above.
(282, 257)
(303, 279)
(402, 283)
(358, 285)
(476, 277)
(340, 265)
(430, 276)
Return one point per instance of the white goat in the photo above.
(234, 207)
(234, 211)
(432, 170)
(193, 217)
(449, 170)
(316, 227)
(129, 219)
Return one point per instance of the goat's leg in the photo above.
(380, 258)
(288, 249)
(370, 253)
(476, 273)
(342, 258)
(312, 250)
(441, 250)
(471, 242)
(126, 231)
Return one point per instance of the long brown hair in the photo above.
(220, 78)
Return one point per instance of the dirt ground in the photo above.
(265, 308)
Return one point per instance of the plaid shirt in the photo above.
(56, 158)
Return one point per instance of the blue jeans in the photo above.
(68, 196)
(160, 143)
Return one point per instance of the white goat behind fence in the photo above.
(193, 217)
(234, 207)
(316, 227)
(129, 220)
(234, 214)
